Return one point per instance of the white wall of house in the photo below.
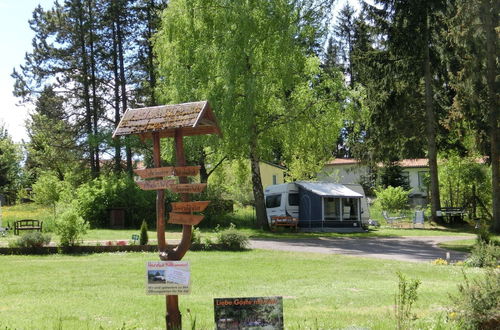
(345, 173)
(352, 173)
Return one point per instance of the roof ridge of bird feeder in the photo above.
(192, 118)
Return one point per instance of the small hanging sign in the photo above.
(155, 184)
(188, 188)
(188, 207)
(168, 171)
(185, 219)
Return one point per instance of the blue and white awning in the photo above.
(328, 189)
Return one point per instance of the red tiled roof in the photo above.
(417, 162)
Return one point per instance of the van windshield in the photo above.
(273, 201)
(293, 199)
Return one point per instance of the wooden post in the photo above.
(174, 317)
(160, 199)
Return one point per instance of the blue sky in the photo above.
(15, 39)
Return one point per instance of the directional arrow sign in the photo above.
(185, 219)
(188, 188)
(155, 184)
(168, 171)
(189, 207)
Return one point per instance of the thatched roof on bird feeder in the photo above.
(193, 118)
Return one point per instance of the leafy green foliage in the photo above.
(392, 175)
(484, 254)
(231, 239)
(404, 301)
(31, 240)
(95, 198)
(392, 199)
(143, 238)
(477, 304)
(10, 157)
(464, 182)
(70, 227)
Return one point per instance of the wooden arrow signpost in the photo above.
(175, 121)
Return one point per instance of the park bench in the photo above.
(452, 213)
(27, 224)
(284, 221)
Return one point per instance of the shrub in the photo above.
(70, 227)
(232, 239)
(404, 300)
(143, 239)
(32, 240)
(477, 305)
(196, 236)
(392, 199)
(484, 255)
(95, 198)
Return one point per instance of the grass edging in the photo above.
(85, 249)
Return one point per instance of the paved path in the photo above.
(415, 248)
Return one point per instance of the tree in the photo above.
(52, 145)
(10, 158)
(255, 62)
(407, 67)
(474, 37)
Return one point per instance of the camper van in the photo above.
(319, 204)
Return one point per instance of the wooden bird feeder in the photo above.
(177, 121)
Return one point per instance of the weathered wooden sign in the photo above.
(188, 207)
(185, 219)
(188, 188)
(155, 184)
(168, 171)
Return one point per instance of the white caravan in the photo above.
(283, 200)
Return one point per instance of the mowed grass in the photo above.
(319, 291)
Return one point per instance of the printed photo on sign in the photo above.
(249, 313)
(168, 278)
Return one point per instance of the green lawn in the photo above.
(320, 291)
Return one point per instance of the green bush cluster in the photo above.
(232, 239)
(70, 227)
(392, 199)
(143, 238)
(95, 198)
(31, 240)
(484, 254)
(477, 305)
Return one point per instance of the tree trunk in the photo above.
(258, 190)
(150, 54)
(489, 17)
(86, 91)
(116, 89)
(95, 103)
(431, 130)
(123, 82)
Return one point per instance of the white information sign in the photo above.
(168, 277)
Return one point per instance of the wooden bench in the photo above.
(284, 221)
(452, 213)
(27, 224)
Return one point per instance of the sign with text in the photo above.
(189, 207)
(249, 313)
(155, 184)
(168, 171)
(168, 277)
(185, 219)
(188, 188)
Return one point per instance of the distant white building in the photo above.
(349, 170)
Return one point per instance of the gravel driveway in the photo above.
(415, 248)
